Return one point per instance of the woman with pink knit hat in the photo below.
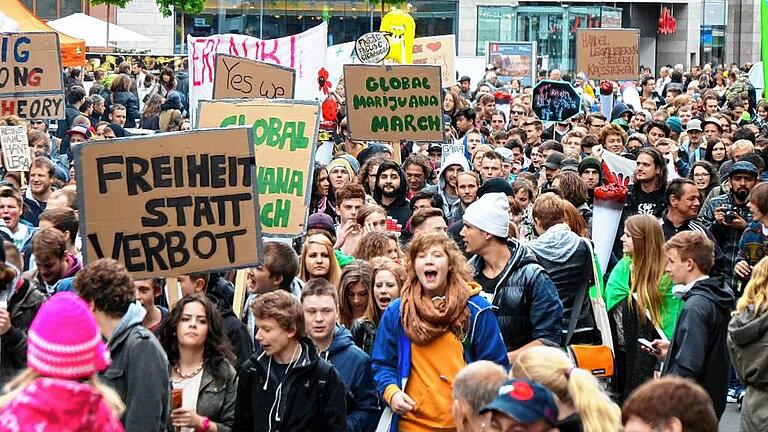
(59, 390)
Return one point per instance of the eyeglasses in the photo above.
(702, 175)
(518, 112)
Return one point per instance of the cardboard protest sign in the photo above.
(437, 50)
(31, 85)
(16, 155)
(237, 77)
(555, 101)
(304, 52)
(449, 148)
(393, 103)
(513, 61)
(609, 54)
(372, 47)
(284, 133)
(170, 204)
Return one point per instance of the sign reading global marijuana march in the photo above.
(393, 103)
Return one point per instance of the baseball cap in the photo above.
(465, 78)
(554, 160)
(743, 167)
(82, 130)
(694, 124)
(524, 401)
(569, 164)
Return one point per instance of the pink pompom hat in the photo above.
(64, 340)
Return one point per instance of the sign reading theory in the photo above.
(393, 103)
(238, 77)
(283, 133)
(31, 85)
(170, 204)
(609, 54)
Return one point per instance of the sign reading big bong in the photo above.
(31, 84)
(170, 204)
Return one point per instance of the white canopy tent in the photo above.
(94, 30)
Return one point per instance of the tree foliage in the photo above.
(389, 2)
(180, 6)
(118, 3)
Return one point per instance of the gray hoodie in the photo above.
(139, 373)
(451, 204)
(747, 342)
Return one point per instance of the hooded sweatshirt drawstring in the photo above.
(279, 391)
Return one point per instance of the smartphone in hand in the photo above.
(646, 343)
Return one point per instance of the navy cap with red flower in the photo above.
(525, 401)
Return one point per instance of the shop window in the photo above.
(494, 24)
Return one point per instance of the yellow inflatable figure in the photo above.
(401, 30)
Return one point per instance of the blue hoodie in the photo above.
(392, 350)
(354, 366)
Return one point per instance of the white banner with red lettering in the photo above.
(305, 52)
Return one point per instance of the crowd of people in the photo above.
(431, 293)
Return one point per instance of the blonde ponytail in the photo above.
(598, 413)
(553, 369)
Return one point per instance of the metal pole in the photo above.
(261, 20)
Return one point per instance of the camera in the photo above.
(729, 213)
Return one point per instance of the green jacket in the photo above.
(617, 290)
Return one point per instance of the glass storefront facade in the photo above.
(347, 19)
(553, 28)
(713, 32)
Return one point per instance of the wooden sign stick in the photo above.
(240, 291)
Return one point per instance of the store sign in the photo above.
(608, 54)
(394, 102)
(555, 101)
(513, 61)
(667, 22)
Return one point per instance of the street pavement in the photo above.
(730, 420)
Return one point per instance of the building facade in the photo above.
(716, 31)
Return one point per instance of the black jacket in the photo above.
(639, 202)
(525, 300)
(237, 333)
(139, 374)
(309, 398)
(568, 262)
(400, 209)
(698, 350)
(22, 306)
(670, 230)
(131, 103)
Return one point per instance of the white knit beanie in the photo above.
(490, 213)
